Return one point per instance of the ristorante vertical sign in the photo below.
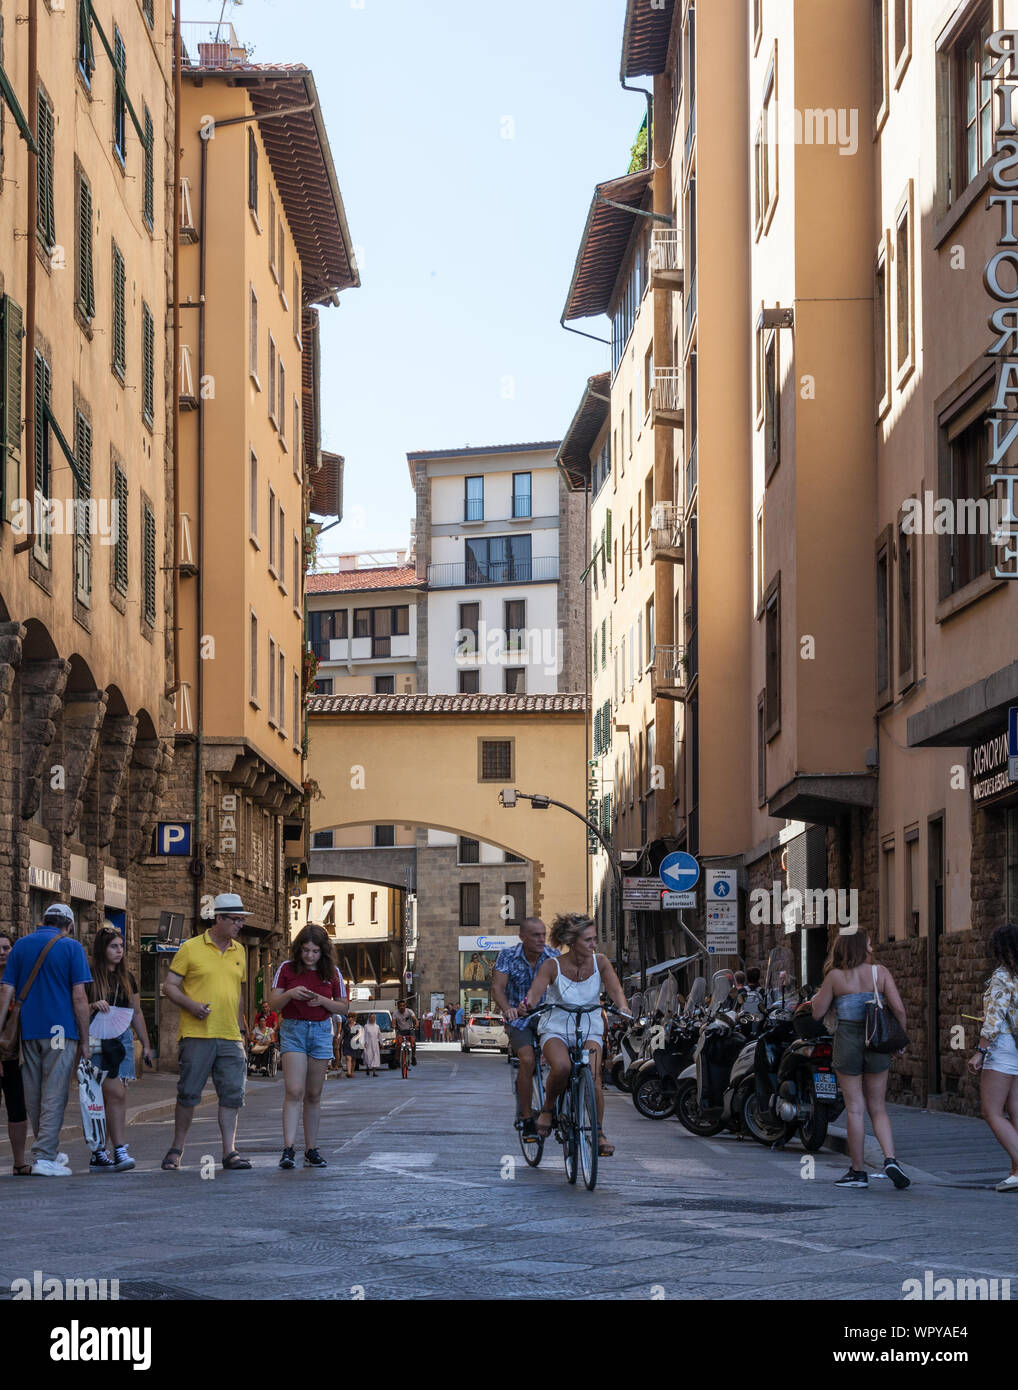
(1002, 67)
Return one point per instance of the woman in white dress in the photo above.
(575, 979)
(372, 1047)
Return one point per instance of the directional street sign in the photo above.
(679, 871)
(641, 894)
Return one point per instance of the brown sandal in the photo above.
(604, 1149)
(544, 1130)
(169, 1163)
(22, 1170)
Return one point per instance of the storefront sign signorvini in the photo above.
(1002, 65)
(990, 781)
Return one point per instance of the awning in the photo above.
(664, 966)
(574, 452)
(603, 244)
(645, 37)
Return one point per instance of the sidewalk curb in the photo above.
(160, 1109)
(837, 1139)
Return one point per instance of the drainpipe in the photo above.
(175, 365)
(199, 749)
(28, 356)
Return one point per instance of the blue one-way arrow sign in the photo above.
(679, 871)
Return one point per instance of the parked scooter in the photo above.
(700, 1093)
(656, 1084)
(635, 1044)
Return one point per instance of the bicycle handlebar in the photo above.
(573, 1009)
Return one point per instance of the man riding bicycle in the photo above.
(513, 975)
(405, 1022)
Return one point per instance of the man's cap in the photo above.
(229, 905)
(57, 914)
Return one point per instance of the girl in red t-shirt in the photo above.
(307, 991)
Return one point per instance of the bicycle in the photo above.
(405, 1054)
(532, 1144)
(574, 1122)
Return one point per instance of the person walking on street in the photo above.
(310, 991)
(13, 1089)
(206, 981)
(995, 1060)
(851, 981)
(113, 987)
(458, 1031)
(429, 1019)
(372, 1046)
(54, 1027)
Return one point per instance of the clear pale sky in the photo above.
(467, 137)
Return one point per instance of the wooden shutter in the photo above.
(120, 572)
(252, 172)
(148, 337)
(82, 493)
(86, 275)
(119, 313)
(149, 192)
(10, 403)
(44, 200)
(150, 567)
(42, 386)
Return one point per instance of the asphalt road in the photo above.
(426, 1197)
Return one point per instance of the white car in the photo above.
(484, 1030)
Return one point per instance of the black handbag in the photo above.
(883, 1031)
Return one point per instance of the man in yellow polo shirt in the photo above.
(206, 981)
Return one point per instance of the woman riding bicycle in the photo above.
(574, 980)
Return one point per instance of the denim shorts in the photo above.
(851, 1055)
(126, 1071)
(1003, 1055)
(312, 1036)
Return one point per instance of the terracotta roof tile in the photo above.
(448, 704)
(384, 577)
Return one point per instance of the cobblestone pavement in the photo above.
(426, 1197)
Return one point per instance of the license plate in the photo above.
(826, 1085)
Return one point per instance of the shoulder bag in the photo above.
(10, 1035)
(883, 1031)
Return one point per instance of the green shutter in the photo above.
(86, 274)
(86, 53)
(82, 493)
(10, 403)
(150, 184)
(120, 547)
(41, 385)
(119, 103)
(149, 13)
(44, 201)
(119, 313)
(597, 732)
(148, 335)
(150, 567)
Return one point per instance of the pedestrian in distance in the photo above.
(308, 990)
(852, 979)
(404, 1021)
(995, 1060)
(114, 987)
(372, 1046)
(458, 1031)
(54, 1027)
(429, 1020)
(13, 1089)
(206, 982)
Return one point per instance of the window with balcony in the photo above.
(521, 494)
(498, 560)
(473, 500)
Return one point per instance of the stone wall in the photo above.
(572, 623)
(906, 960)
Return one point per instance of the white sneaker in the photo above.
(47, 1168)
(63, 1159)
(1009, 1184)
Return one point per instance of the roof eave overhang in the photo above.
(645, 38)
(603, 245)
(573, 457)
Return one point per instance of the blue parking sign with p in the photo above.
(173, 837)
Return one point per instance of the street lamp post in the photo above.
(508, 798)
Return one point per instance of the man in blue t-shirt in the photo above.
(54, 1028)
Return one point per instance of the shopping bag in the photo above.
(93, 1111)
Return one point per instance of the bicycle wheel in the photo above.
(533, 1147)
(567, 1133)
(404, 1060)
(586, 1127)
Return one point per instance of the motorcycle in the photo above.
(701, 1089)
(635, 1045)
(791, 1084)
